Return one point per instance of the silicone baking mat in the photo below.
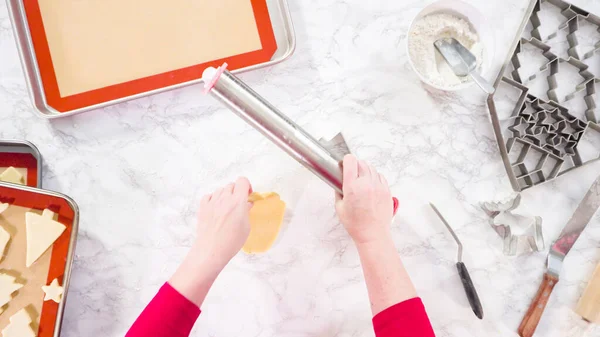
(25, 163)
(90, 51)
(52, 264)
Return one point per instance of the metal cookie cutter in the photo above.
(514, 227)
(546, 134)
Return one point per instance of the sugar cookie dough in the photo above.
(11, 175)
(266, 217)
(20, 325)
(4, 238)
(53, 291)
(41, 232)
(7, 287)
(4, 235)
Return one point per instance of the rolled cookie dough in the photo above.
(266, 217)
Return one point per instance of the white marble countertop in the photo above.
(138, 169)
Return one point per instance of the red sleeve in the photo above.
(169, 314)
(405, 319)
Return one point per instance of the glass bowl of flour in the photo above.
(448, 18)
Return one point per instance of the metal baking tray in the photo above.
(281, 21)
(61, 259)
(12, 146)
(544, 111)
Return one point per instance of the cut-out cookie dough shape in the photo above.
(53, 291)
(266, 217)
(11, 175)
(4, 238)
(7, 287)
(20, 325)
(4, 235)
(42, 231)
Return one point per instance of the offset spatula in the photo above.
(462, 271)
(560, 248)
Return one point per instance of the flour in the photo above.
(427, 60)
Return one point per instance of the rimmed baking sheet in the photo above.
(80, 55)
(54, 263)
(23, 156)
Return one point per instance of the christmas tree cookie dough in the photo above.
(7, 287)
(42, 231)
(20, 325)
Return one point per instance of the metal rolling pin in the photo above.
(276, 126)
(272, 123)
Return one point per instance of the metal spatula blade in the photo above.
(462, 61)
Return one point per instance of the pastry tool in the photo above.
(462, 271)
(514, 227)
(529, 92)
(337, 146)
(462, 61)
(276, 126)
(559, 250)
(589, 303)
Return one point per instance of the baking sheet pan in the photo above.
(23, 156)
(280, 21)
(54, 263)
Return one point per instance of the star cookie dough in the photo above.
(53, 291)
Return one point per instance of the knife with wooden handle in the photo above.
(589, 303)
(560, 248)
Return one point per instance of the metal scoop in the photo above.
(462, 61)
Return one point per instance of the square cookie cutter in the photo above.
(542, 137)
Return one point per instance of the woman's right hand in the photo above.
(366, 209)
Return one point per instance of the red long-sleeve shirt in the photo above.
(170, 314)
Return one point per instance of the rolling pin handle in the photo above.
(396, 205)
